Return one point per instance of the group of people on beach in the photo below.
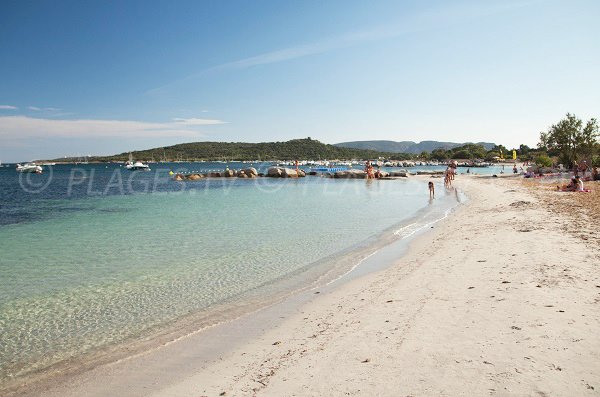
(586, 172)
(575, 185)
(371, 172)
(449, 174)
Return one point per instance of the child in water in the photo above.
(431, 190)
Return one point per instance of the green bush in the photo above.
(543, 161)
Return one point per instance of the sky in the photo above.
(87, 77)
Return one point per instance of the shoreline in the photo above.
(435, 316)
(334, 269)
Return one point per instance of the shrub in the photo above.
(543, 161)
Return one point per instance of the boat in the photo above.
(29, 167)
(136, 165)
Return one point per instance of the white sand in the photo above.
(495, 300)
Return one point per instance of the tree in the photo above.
(523, 149)
(501, 151)
(570, 140)
(440, 154)
(462, 154)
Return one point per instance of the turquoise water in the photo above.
(87, 271)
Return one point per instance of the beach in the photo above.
(500, 298)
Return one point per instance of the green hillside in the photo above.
(304, 149)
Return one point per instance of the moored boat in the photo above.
(29, 167)
(137, 166)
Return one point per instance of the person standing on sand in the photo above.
(431, 190)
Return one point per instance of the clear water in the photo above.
(92, 256)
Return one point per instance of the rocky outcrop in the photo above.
(190, 177)
(280, 172)
(228, 173)
(350, 174)
(402, 174)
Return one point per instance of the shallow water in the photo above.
(93, 256)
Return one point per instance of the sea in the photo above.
(94, 257)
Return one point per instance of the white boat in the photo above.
(29, 167)
(136, 166)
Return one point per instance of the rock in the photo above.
(353, 174)
(240, 173)
(402, 174)
(274, 172)
(251, 171)
(228, 173)
(178, 177)
(289, 173)
(213, 175)
(301, 173)
(431, 172)
(194, 177)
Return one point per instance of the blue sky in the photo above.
(102, 77)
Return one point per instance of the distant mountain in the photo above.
(407, 146)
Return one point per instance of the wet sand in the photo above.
(501, 298)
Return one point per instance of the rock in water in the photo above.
(274, 172)
(359, 174)
(289, 173)
(194, 177)
(251, 171)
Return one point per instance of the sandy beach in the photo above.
(501, 298)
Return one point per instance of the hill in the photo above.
(407, 146)
(307, 149)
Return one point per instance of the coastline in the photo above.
(332, 269)
(455, 313)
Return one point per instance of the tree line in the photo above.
(567, 142)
